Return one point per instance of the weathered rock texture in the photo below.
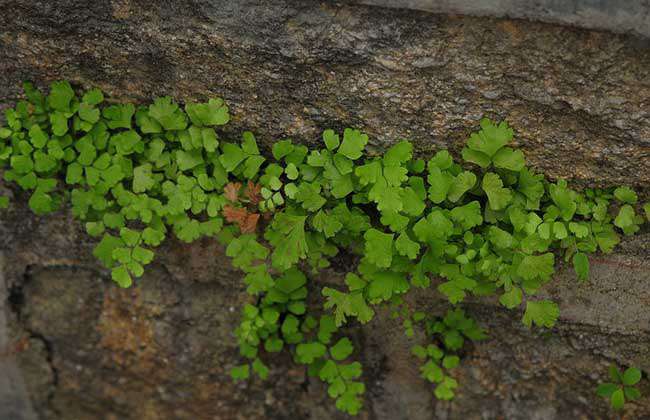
(580, 105)
(629, 16)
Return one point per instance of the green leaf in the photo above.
(350, 371)
(369, 173)
(500, 238)
(631, 376)
(287, 235)
(559, 230)
(326, 223)
(188, 160)
(406, 246)
(353, 143)
(434, 226)
(309, 194)
(282, 148)
(625, 195)
(398, 154)
(121, 276)
(432, 372)
(444, 391)
(395, 175)
(490, 138)
(94, 228)
(543, 313)
(59, 123)
(349, 402)
(292, 280)
(386, 284)
(626, 220)
(244, 250)
(474, 156)
(395, 221)
(512, 298)
(209, 139)
(326, 327)
(142, 178)
(60, 96)
(379, 247)
(440, 183)
(240, 373)
(564, 199)
(631, 393)
(215, 112)
(617, 399)
(5, 133)
(532, 187)
(306, 353)
(419, 352)
(328, 372)
(104, 249)
(112, 175)
(450, 361)
(167, 113)
(232, 156)
(292, 172)
(260, 368)
(606, 389)
(129, 236)
(342, 349)
(347, 304)
(114, 220)
(537, 267)
(125, 142)
(74, 173)
(468, 216)
(464, 182)
(607, 240)
(498, 196)
(88, 113)
(258, 279)
(455, 289)
(580, 230)
(142, 255)
(581, 265)
(93, 97)
(331, 139)
(38, 137)
(188, 231)
(249, 145)
(119, 116)
(510, 159)
(273, 345)
(43, 162)
(615, 374)
(413, 204)
(147, 124)
(252, 166)
(41, 203)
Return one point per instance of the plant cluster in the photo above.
(485, 225)
(622, 387)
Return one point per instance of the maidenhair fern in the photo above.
(486, 225)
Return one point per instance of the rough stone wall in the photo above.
(629, 16)
(579, 102)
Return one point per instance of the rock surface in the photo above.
(580, 105)
(630, 16)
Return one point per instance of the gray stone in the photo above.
(631, 16)
(14, 401)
